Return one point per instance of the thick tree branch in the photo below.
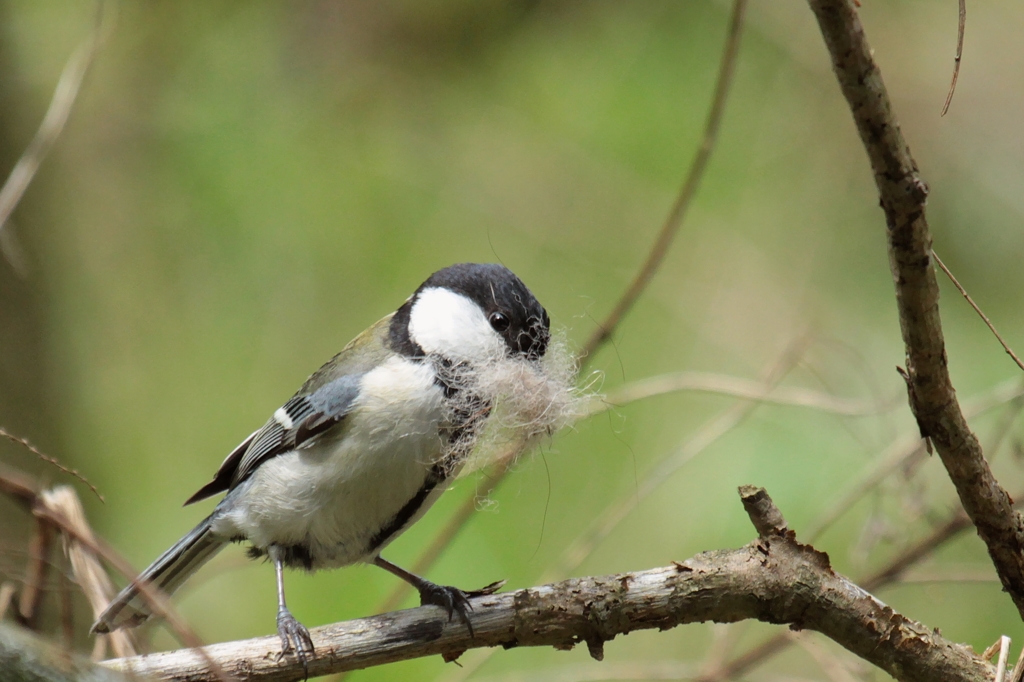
(879, 579)
(774, 579)
(932, 397)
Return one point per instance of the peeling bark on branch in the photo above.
(902, 193)
(774, 579)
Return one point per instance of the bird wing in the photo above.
(222, 479)
(322, 402)
(296, 424)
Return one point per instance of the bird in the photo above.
(370, 441)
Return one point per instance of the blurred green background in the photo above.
(242, 187)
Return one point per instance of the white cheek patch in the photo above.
(451, 325)
(511, 401)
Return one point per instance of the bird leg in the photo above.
(294, 635)
(451, 599)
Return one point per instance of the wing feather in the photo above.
(297, 424)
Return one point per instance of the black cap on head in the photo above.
(511, 309)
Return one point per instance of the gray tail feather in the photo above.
(167, 573)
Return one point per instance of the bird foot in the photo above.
(453, 600)
(294, 638)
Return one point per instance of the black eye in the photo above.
(499, 322)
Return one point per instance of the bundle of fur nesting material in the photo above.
(505, 405)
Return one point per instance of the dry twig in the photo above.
(609, 518)
(1018, 668)
(1004, 654)
(26, 491)
(689, 189)
(902, 194)
(465, 511)
(961, 23)
(984, 317)
(49, 460)
(735, 387)
(7, 593)
(709, 432)
(85, 564)
(903, 453)
(832, 665)
(49, 130)
(32, 590)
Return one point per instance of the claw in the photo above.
(453, 600)
(294, 638)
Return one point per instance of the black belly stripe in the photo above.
(436, 476)
(467, 420)
(293, 556)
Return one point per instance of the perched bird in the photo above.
(371, 440)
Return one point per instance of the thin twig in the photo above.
(689, 189)
(86, 567)
(833, 666)
(609, 518)
(961, 577)
(7, 593)
(903, 452)
(1004, 654)
(898, 565)
(983, 316)
(717, 653)
(33, 589)
(755, 391)
(49, 460)
(67, 614)
(959, 53)
(500, 469)
(63, 99)
(1004, 427)
(643, 670)
(1018, 668)
(899, 455)
(708, 433)
(734, 387)
(26, 491)
(155, 598)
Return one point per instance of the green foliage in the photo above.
(242, 187)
